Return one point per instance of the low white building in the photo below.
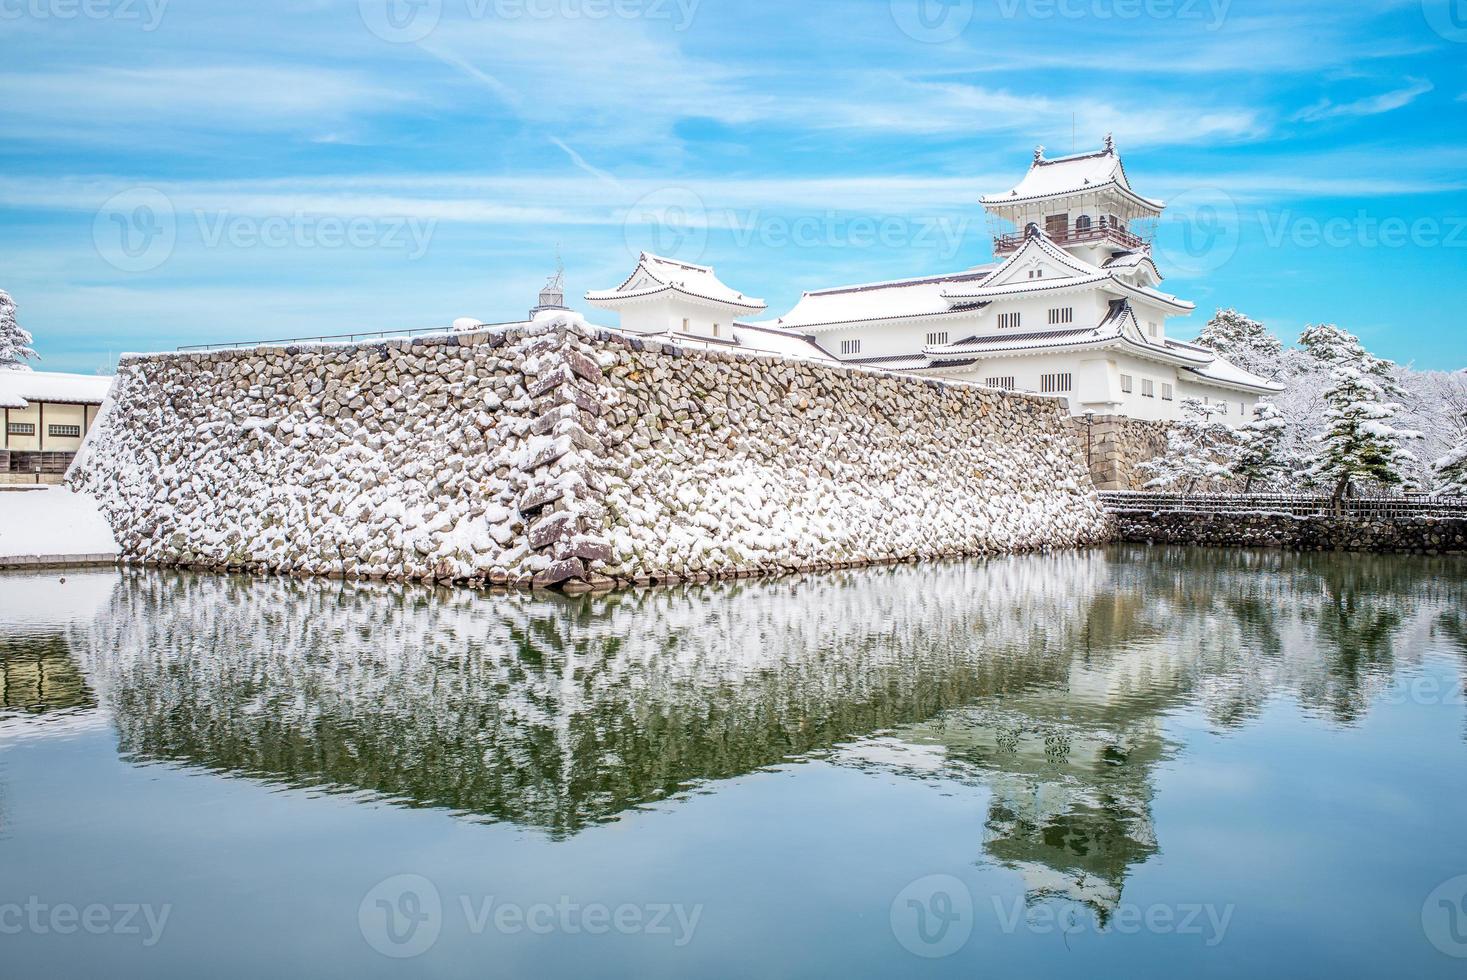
(43, 418)
(665, 296)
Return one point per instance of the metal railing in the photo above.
(1293, 505)
(1072, 235)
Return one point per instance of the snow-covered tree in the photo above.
(1330, 347)
(1244, 341)
(1359, 442)
(1200, 448)
(15, 342)
(1450, 472)
(1262, 458)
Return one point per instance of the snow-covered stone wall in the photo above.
(562, 454)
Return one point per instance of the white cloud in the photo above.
(1370, 106)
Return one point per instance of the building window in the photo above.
(850, 347)
(1166, 392)
(1008, 321)
(22, 428)
(1007, 384)
(1128, 383)
(1082, 223)
(937, 339)
(64, 431)
(1065, 315)
(1053, 384)
(687, 325)
(1242, 409)
(715, 330)
(1152, 328)
(1148, 388)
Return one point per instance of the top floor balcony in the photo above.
(1083, 232)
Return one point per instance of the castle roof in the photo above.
(1077, 174)
(656, 275)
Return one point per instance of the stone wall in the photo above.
(1115, 445)
(563, 454)
(1430, 536)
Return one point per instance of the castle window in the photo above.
(1152, 328)
(1166, 392)
(22, 428)
(1008, 321)
(1062, 315)
(716, 329)
(850, 347)
(687, 325)
(1083, 223)
(937, 339)
(1148, 388)
(1005, 384)
(1128, 383)
(1053, 384)
(64, 431)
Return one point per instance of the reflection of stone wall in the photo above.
(559, 454)
(1115, 444)
(1428, 536)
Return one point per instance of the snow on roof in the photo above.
(655, 274)
(783, 342)
(897, 299)
(1225, 372)
(1072, 175)
(19, 388)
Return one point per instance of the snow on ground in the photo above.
(53, 521)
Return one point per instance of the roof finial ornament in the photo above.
(1110, 143)
(1039, 153)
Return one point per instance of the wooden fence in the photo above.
(1293, 505)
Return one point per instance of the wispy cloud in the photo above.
(1373, 105)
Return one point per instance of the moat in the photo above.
(1118, 763)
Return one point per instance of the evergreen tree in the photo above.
(1330, 347)
(1359, 442)
(15, 343)
(1244, 341)
(1262, 458)
(1450, 471)
(1201, 447)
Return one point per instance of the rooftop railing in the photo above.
(1074, 235)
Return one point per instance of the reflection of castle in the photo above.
(1041, 679)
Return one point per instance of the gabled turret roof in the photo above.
(656, 275)
(1081, 173)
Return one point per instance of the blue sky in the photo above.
(196, 171)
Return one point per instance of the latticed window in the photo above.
(1007, 384)
(1128, 383)
(22, 428)
(1008, 321)
(1167, 394)
(1062, 315)
(937, 339)
(64, 431)
(1053, 384)
(1148, 388)
(850, 347)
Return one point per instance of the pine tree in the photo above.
(1243, 341)
(1450, 472)
(1201, 447)
(1359, 442)
(1331, 347)
(15, 343)
(1262, 457)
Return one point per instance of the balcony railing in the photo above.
(1072, 235)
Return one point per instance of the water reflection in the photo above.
(1043, 680)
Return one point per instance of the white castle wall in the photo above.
(562, 454)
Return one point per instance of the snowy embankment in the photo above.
(54, 523)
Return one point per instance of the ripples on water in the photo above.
(1048, 681)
